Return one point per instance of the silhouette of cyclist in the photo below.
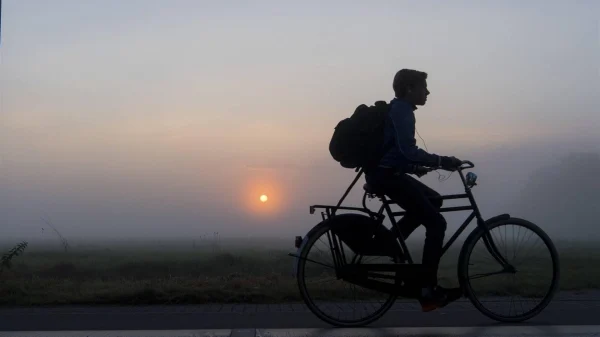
(391, 177)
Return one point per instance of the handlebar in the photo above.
(460, 168)
(471, 165)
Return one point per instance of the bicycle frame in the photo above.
(386, 203)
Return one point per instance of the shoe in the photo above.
(438, 297)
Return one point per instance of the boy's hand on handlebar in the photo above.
(450, 163)
(420, 171)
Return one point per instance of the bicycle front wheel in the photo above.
(510, 296)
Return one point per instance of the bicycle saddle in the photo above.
(371, 190)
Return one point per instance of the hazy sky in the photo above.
(144, 118)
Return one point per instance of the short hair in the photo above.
(406, 79)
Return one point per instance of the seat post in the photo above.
(347, 191)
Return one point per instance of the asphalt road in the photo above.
(530, 331)
(566, 309)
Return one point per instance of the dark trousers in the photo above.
(415, 198)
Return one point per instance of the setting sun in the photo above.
(262, 195)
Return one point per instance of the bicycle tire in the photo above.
(313, 236)
(463, 270)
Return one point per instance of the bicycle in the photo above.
(366, 236)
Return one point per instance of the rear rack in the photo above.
(331, 210)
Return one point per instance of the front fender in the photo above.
(497, 218)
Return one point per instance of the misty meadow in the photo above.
(210, 268)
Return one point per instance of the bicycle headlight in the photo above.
(471, 179)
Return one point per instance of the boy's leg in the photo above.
(411, 221)
(415, 198)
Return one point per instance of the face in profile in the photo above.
(418, 94)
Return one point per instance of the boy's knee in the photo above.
(438, 225)
(436, 200)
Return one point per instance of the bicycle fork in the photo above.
(493, 250)
(487, 237)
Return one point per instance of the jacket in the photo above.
(399, 131)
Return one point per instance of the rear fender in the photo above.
(304, 242)
(335, 223)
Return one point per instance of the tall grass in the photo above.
(201, 275)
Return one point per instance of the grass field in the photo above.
(145, 275)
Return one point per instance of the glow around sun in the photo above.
(263, 197)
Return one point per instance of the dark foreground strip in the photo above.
(505, 331)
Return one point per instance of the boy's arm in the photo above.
(404, 125)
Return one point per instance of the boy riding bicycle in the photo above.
(391, 177)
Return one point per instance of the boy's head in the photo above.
(411, 85)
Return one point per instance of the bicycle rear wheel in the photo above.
(333, 300)
(510, 296)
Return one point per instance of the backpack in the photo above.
(357, 141)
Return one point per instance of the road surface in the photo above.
(242, 320)
(529, 331)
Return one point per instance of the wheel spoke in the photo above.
(476, 276)
(313, 261)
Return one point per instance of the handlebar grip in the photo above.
(468, 162)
